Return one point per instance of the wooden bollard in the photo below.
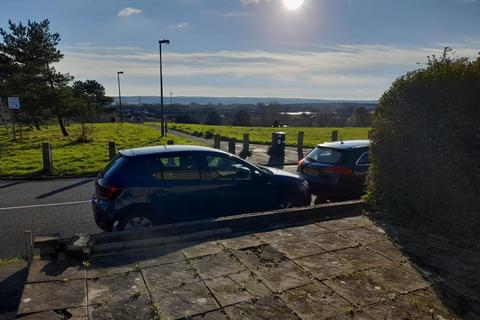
(246, 143)
(335, 135)
(231, 146)
(47, 157)
(28, 247)
(300, 141)
(111, 150)
(216, 141)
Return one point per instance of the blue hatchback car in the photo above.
(336, 171)
(156, 185)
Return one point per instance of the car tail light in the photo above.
(341, 170)
(107, 192)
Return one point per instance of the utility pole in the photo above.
(164, 41)
(120, 95)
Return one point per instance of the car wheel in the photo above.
(135, 222)
(285, 205)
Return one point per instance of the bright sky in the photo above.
(333, 49)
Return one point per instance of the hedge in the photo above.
(425, 149)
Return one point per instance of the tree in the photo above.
(241, 118)
(213, 118)
(26, 57)
(94, 93)
(361, 117)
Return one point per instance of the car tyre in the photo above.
(135, 221)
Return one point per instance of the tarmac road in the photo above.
(46, 206)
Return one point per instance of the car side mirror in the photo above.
(258, 175)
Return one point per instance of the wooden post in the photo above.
(300, 141)
(111, 150)
(47, 157)
(28, 247)
(335, 135)
(216, 141)
(246, 143)
(231, 146)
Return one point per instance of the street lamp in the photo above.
(171, 99)
(120, 95)
(164, 41)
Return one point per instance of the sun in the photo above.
(292, 4)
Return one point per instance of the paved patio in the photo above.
(339, 269)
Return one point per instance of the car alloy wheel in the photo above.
(138, 222)
(285, 205)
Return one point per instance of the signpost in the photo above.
(14, 105)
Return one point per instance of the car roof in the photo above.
(164, 149)
(347, 144)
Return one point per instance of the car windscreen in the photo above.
(325, 155)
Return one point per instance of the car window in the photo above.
(182, 167)
(222, 168)
(325, 155)
(364, 160)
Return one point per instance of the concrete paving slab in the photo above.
(388, 250)
(263, 255)
(12, 281)
(121, 296)
(251, 283)
(360, 288)
(296, 248)
(352, 315)
(336, 224)
(214, 315)
(332, 241)
(361, 258)
(282, 276)
(241, 242)
(170, 275)
(217, 265)
(227, 291)
(276, 235)
(315, 302)
(400, 278)
(156, 257)
(103, 266)
(194, 250)
(268, 308)
(70, 314)
(326, 265)
(362, 235)
(307, 231)
(46, 296)
(46, 270)
(188, 300)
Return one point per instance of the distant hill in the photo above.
(230, 100)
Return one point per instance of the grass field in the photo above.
(263, 135)
(70, 157)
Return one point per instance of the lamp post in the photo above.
(171, 99)
(120, 95)
(164, 41)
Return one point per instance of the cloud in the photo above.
(181, 25)
(128, 11)
(255, 2)
(344, 71)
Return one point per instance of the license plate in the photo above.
(310, 171)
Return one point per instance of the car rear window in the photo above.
(113, 166)
(325, 155)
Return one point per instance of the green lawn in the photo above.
(24, 157)
(263, 135)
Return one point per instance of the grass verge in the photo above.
(263, 135)
(70, 157)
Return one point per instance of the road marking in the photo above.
(45, 205)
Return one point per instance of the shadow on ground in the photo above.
(454, 272)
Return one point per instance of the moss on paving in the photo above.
(263, 135)
(71, 157)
